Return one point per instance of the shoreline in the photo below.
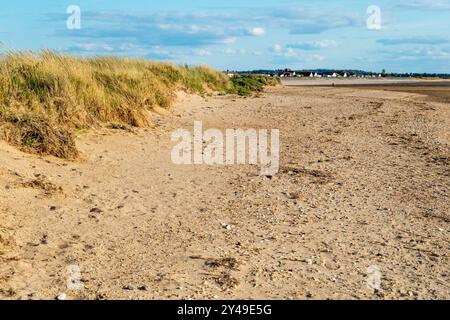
(298, 82)
(437, 89)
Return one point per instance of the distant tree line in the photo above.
(353, 72)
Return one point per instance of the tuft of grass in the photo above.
(245, 85)
(38, 135)
(46, 96)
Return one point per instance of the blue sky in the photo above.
(413, 36)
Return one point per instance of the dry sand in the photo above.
(364, 182)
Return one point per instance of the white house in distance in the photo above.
(288, 73)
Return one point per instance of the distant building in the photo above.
(230, 73)
(302, 74)
(287, 73)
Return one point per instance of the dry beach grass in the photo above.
(45, 97)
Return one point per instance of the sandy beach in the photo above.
(363, 185)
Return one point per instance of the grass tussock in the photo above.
(245, 85)
(45, 97)
(38, 135)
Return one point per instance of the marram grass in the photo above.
(45, 97)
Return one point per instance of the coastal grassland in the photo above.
(45, 97)
(245, 85)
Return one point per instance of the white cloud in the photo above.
(93, 47)
(202, 52)
(424, 55)
(194, 28)
(314, 45)
(277, 48)
(230, 52)
(289, 55)
(421, 54)
(233, 52)
(425, 5)
(199, 29)
(230, 40)
(257, 31)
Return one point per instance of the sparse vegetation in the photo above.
(42, 183)
(245, 85)
(45, 97)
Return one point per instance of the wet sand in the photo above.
(435, 93)
(437, 90)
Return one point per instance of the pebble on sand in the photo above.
(61, 296)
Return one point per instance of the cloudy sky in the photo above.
(410, 36)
